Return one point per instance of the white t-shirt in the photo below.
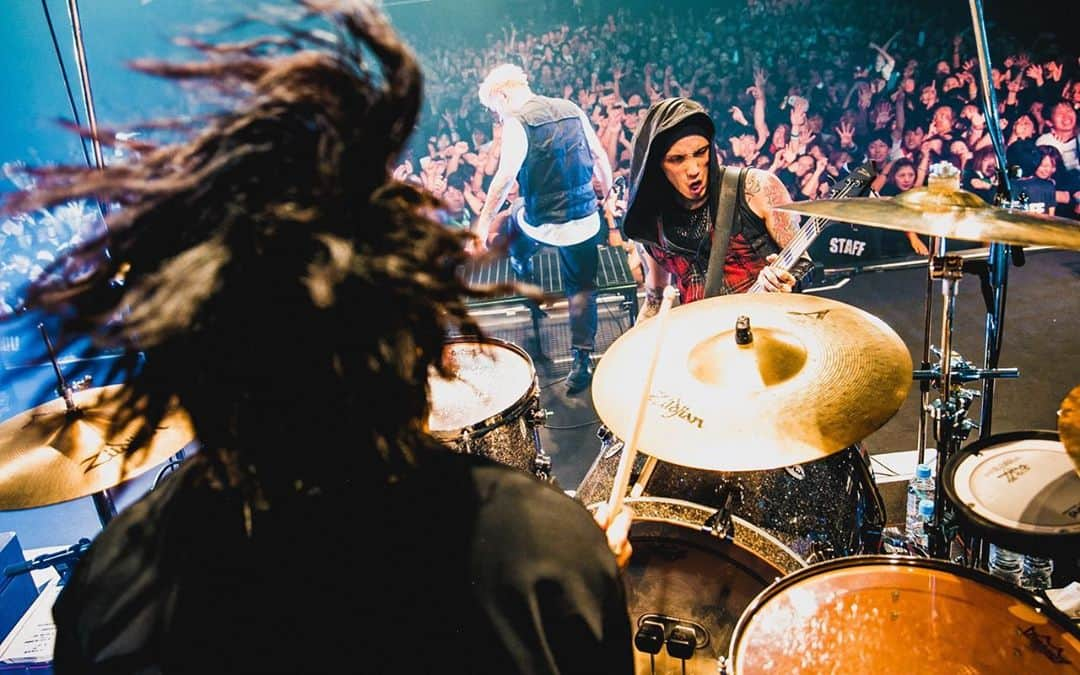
(559, 234)
(1068, 149)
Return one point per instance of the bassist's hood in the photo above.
(648, 193)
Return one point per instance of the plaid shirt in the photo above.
(741, 268)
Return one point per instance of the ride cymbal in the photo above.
(50, 455)
(942, 209)
(1069, 425)
(816, 376)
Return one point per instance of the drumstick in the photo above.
(626, 462)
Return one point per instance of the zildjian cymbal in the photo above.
(942, 209)
(1069, 425)
(50, 454)
(814, 376)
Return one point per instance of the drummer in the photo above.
(675, 191)
(271, 288)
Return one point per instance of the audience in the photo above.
(807, 90)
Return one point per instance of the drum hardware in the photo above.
(944, 211)
(64, 562)
(817, 377)
(63, 449)
(610, 444)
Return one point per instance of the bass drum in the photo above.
(823, 509)
(687, 586)
(491, 406)
(897, 615)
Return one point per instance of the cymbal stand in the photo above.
(949, 411)
(103, 501)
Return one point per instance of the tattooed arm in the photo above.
(764, 191)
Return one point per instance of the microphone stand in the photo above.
(997, 271)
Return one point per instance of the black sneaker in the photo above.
(580, 371)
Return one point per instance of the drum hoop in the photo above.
(1042, 605)
(529, 399)
(1022, 541)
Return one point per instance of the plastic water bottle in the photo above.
(918, 539)
(919, 488)
(1005, 564)
(1036, 572)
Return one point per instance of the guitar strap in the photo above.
(725, 211)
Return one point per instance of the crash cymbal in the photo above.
(942, 209)
(817, 376)
(1069, 425)
(48, 455)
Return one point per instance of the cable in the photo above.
(67, 81)
(573, 426)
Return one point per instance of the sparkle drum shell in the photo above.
(488, 407)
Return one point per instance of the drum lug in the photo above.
(538, 417)
(719, 524)
(542, 466)
(610, 444)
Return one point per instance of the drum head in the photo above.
(682, 576)
(882, 615)
(493, 378)
(1018, 490)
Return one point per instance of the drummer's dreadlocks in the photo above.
(268, 263)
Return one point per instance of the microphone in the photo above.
(68, 555)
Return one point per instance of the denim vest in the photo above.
(556, 178)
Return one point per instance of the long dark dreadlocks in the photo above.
(274, 276)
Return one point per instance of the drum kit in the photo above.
(748, 393)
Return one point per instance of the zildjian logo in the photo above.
(1041, 643)
(674, 407)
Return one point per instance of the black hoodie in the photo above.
(646, 198)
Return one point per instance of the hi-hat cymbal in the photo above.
(1069, 425)
(48, 455)
(947, 211)
(818, 376)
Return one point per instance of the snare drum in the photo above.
(687, 587)
(884, 615)
(491, 406)
(823, 509)
(1018, 490)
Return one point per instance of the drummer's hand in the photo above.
(775, 280)
(617, 530)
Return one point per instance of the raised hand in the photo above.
(1035, 72)
(738, 116)
(846, 132)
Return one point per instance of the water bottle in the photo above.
(1005, 564)
(1036, 572)
(920, 487)
(918, 539)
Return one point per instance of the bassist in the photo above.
(675, 187)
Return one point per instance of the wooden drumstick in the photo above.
(626, 462)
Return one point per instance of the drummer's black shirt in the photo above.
(466, 566)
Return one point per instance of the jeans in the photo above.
(577, 267)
